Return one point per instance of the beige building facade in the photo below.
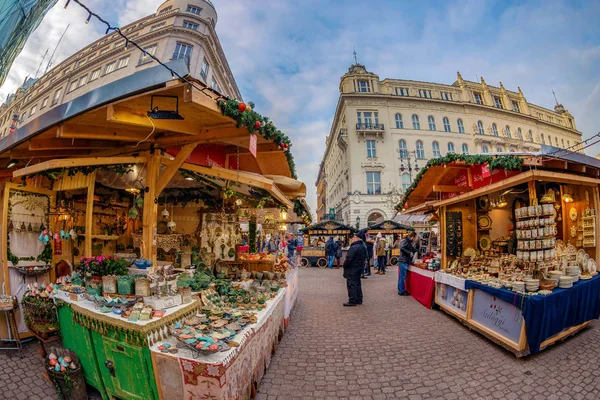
(180, 29)
(384, 131)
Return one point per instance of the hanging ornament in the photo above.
(248, 108)
(257, 125)
(165, 212)
(242, 107)
(171, 225)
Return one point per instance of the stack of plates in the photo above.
(532, 285)
(518, 286)
(573, 272)
(554, 275)
(565, 282)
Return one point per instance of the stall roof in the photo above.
(388, 225)
(113, 120)
(329, 226)
(457, 177)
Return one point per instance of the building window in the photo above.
(72, 86)
(358, 119)
(461, 127)
(109, 67)
(204, 70)
(56, 96)
(194, 10)
(145, 57)
(431, 122)
(373, 182)
(516, 107)
(450, 148)
(519, 134)
(368, 116)
(123, 62)
(478, 98)
(34, 109)
(507, 130)
(190, 25)
(480, 129)
(399, 122)
(446, 96)
(484, 149)
(363, 86)
(214, 85)
(530, 136)
(156, 27)
(371, 151)
(568, 144)
(95, 75)
(44, 103)
(82, 81)
(562, 141)
(542, 137)
(556, 140)
(425, 93)
(403, 149)
(415, 121)
(166, 9)
(420, 150)
(182, 51)
(405, 181)
(436, 149)
(498, 102)
(401, 91)
(499, 149)
(494, 129)
(446, 124)
(465, 148)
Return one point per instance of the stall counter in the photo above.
(420, 284)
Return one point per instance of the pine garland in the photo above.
(53, 174)
(508, 163)
(249, 118)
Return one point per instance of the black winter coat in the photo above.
(355, 260)
(406, 251)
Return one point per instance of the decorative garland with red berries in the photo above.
(244, 115)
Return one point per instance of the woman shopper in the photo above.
(407, 250)
(330, 250)
(380, 252)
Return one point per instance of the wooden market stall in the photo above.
(108, 175)
(392, 231)
(519, 244)
(316, 235)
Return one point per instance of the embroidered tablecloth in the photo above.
(226, 375)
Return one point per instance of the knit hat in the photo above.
(360, 235)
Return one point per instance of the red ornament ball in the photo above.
(257, 125)
(282, 145)
(242, 107)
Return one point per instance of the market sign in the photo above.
(208, 155)
(497, 315)
(481, 175)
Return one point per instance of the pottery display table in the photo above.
(113, 351)
(232, 374)
(291, 293)
(420, 284)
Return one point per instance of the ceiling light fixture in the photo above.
(157, 113)
(11, 164)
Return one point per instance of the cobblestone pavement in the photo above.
(21, 378)
(392, 347)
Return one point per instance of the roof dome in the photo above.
(206, 7)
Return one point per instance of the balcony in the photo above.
(370, 129)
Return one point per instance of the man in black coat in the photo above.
(353, 269)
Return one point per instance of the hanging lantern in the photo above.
(171, 225)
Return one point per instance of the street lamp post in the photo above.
(408, 157)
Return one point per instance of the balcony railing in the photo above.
(369, 127)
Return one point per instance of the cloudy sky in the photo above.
(287, 56)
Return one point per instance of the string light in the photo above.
(174, 73)
(87, 21)
(67, 3)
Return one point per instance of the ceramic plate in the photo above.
(484, 222)
(470, 252)
(571, 250)
(573, 214)
(485, 243)
(483, 203)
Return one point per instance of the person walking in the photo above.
(369, 243)
(338, 254)
(407, 250)
(291, 246)
(380, 252)
(353, 268)
(330, 249)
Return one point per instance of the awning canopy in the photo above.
(388, 226)
(328, 228)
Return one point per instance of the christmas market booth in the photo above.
(519, 245)
(317, 235)
(121, 216)
(392, 231)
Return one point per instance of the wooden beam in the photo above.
(128, 116)
(69, 131)
(575, 167)
(76, 162)
(261, 148)
(208, 103)
(555, 164)
(150, 209)
(89, 217)
(27, 154)
(69, 144)
(173, 167)
(451, 189)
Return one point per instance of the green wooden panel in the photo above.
(132, 379)
(78, 339)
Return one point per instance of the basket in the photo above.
(126, 285)
(69, 384)
(40, 315)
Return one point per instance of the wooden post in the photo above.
(252, 234)
(89, 216)
(150, 209)
(533, 201)
(596, 206)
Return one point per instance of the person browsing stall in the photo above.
(353, 269)
(407, 251)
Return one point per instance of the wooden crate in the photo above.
(258, 265)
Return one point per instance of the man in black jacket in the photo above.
(407, 250)
(353, 269)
